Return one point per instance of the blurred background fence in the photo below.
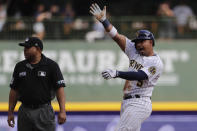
(55, 28)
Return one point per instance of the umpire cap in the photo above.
(32, 41)
(144, 35)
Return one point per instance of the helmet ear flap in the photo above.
(153, 42)
(151, 36)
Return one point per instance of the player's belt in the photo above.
(35, 106)
(125, 97)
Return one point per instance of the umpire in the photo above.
(36, 81)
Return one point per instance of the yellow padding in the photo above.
(174, 106)
(115, 106)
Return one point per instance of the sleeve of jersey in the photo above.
(13, 82)
(58, 77)
(129, 48)
(152, 70)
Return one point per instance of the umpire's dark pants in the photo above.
(36, 119)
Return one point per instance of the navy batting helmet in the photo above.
(144, 35)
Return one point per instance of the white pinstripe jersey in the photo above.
(151, 65)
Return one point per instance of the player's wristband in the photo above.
(106, 23)
(113, 32)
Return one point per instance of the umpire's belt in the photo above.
(35, 106)
(125, 97)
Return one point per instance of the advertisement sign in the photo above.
(82, 64)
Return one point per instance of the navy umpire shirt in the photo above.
(36, 84)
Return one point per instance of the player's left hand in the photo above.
(62, 117)
(109, 73)
(97, 12)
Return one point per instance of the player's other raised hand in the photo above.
(97, 12)
(109, 73)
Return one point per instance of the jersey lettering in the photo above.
(135, 65)
(139, 83)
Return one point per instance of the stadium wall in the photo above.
(86, 92)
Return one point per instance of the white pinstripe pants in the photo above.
(133, 112)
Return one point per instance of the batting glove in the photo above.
(97, 12)
(109, 73)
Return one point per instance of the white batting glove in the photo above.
(97, 12)
(109, 73)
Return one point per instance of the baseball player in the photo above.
(144, 70)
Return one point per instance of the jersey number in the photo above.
(139, 83)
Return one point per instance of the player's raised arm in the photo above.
(112, 31)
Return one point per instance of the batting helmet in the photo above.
(144, 35)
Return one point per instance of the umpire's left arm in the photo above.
(59, 85)
(61, 100)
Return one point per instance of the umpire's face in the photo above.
(31, 53)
